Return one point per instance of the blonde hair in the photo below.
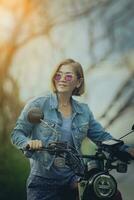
(78, 71)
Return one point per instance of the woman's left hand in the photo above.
(131, 151)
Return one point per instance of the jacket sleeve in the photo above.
(97, 133)
(22, 131)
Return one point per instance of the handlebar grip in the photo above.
(27, 147)
(123, 156)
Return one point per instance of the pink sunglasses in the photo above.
(67, 77)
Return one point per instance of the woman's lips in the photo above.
(62, 85)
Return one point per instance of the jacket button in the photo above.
(53, 125)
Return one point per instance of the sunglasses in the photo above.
(67, 77)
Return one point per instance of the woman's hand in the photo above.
(34, 144)
(131, 151)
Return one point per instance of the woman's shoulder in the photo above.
(83, 106)
(38, 100)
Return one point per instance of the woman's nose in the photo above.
(62, 77)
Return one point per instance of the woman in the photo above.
(72, 121)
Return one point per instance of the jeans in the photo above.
(40, 188)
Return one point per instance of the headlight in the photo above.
(104, 186)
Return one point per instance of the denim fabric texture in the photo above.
(39, 188)
(83, 125)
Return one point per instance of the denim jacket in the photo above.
(83, 125)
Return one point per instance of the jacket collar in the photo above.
(54, 103)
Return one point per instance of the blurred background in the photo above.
(35, 35)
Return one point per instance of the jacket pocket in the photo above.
(81, 132)
(83, 128)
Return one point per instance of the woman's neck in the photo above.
(64, 99)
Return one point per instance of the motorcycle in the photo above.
(93, 171)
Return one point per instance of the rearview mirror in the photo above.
(133, 127)
(35, 115)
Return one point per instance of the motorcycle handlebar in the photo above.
(49, 149)
(62, 147)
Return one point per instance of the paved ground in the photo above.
(126, 183)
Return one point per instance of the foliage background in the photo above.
(34, 36)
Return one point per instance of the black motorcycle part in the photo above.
(100, 186)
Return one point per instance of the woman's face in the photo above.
(66, 80)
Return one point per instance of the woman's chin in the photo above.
(63, 91)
